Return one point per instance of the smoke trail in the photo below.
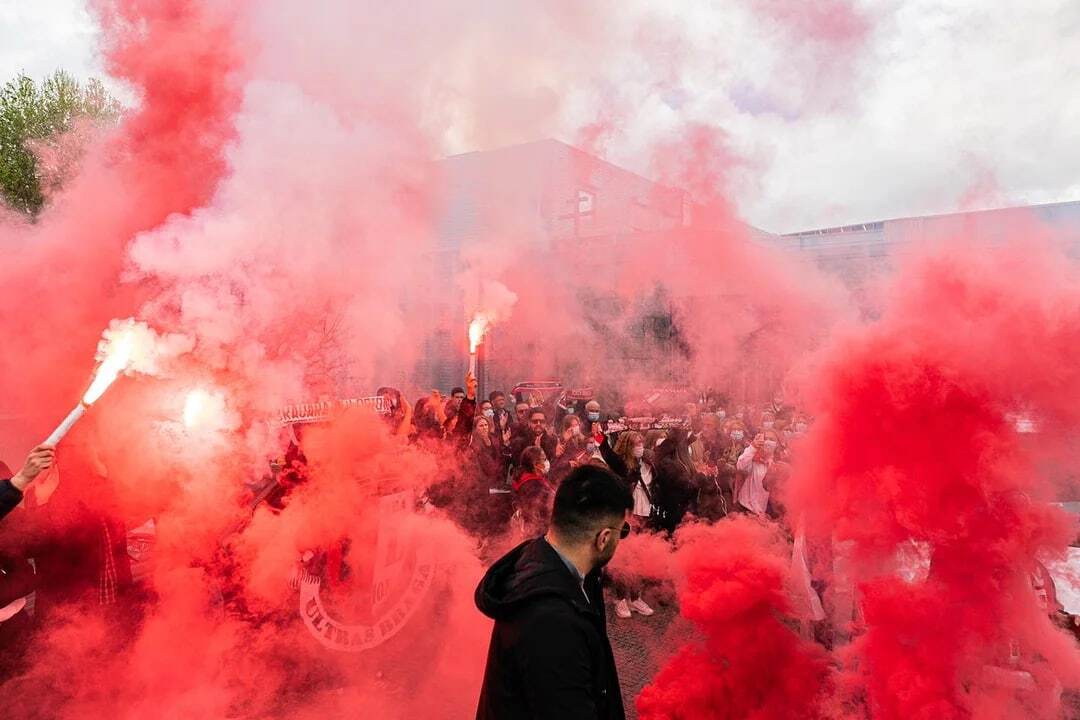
(918, 442)
(61, 275)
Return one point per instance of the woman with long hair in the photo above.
(483, 453)
(676, 479)
(627, 460)
(571, 441)
(532, 492)
(759, 463)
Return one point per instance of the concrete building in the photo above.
(857, 253)
(532, 198)
(546, 194)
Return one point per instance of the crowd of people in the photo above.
(504, 461)
(707, 460)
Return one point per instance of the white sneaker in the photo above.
(639, 606)
(622, 609)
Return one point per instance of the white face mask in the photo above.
(770, 445)
(546, 467)
(639, 450)
(721, 414)
(736, 434)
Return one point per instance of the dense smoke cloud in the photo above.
(272, 201)
(732, 582)
(924, 498)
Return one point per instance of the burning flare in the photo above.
(126, 346)
(477, 328)
(116, 359)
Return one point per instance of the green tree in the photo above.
(37, 118)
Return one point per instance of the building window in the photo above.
(584, 202)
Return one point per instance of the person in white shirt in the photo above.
(628, 461)
(756, 461)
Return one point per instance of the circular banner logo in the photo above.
(383, 594)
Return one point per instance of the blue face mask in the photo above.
(489, 413)
(593, 416)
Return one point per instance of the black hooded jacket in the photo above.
(10, 497)
(549, 658)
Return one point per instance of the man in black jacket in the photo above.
(534, 432)
(549, 657)
(11, 489)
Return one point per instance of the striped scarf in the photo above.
(107, 582)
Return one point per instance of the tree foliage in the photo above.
(35, 120)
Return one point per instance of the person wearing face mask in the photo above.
(592, 418)
(485, 457)
(627, 460)
(728, 475)
(768, 421)
(571, 443)
(756, 462)
(533, 491)
(550, 656)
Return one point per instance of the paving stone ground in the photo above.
(641, 645)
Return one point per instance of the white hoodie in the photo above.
(752, 494)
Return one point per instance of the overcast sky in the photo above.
(911, 107)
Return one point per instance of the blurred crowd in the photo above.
(696, 457)
(703, 457)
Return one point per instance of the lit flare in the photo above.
(477, 328)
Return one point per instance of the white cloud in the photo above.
(38, 37)
(943, 98)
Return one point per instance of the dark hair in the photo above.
(533, 411)
(588, 496)
(676, 448)
(394, 399)
(494, 394)
(457, 390)
(531, 458)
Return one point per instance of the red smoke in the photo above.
(279, 207)
(62, 275)
(732, 584)
(915, 441)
